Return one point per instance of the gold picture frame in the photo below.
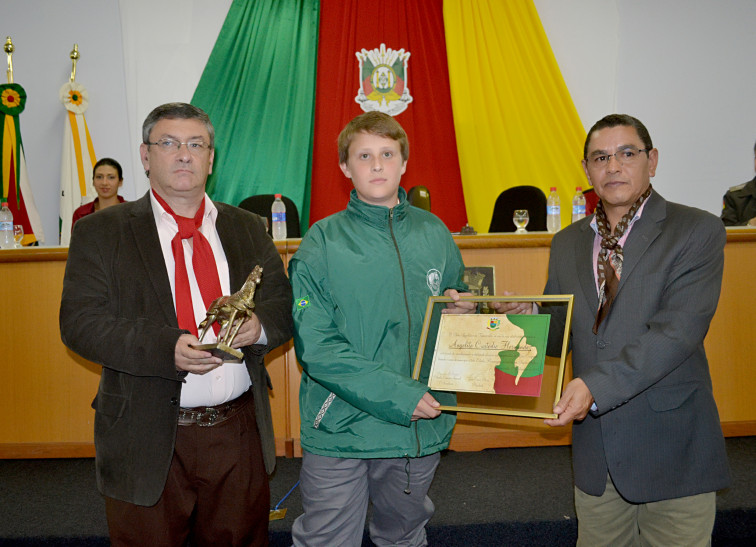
(470, 398)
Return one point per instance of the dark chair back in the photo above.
(519, 197)
(591, 199)
(419, 196)
(261, 203)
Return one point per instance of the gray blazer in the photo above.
(117, 310)
(656, 429)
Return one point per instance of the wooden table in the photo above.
(47, 390)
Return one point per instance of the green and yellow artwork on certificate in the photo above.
(495, 363)
(502, 354)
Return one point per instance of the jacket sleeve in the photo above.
(730, 216)
(677, 326)
(557, 315)
(557, 312)
(93, 322)
(455, 270)
(328, 358)
(273, 296)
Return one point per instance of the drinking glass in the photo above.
(18, 235)
(520, 219)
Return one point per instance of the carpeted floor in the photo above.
(498, 497)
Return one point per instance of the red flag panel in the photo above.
(347, 28)
(16, 201)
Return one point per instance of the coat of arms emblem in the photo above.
(383, 80)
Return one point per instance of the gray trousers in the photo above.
(335, 493)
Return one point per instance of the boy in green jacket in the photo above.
(361, 280)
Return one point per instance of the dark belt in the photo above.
(208, 416)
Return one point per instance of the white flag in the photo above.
(78, 157)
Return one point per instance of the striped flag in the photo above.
(78, 157)
(474, 83)
(16, 189)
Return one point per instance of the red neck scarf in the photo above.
(203, 263)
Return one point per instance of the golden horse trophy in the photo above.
(230, 312)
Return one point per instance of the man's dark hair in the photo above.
(112, 163)
(614, 120)
(173, 111)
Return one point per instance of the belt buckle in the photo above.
(207, 417)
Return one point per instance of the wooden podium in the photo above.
(47, 390)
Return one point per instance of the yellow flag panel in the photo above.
(513, 115)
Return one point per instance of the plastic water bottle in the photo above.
(578, 204)
(278, 212)
(553, 219)
(6, 228)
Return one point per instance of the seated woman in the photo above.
(107, 178)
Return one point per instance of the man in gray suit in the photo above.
(648, 450)
(183, 440)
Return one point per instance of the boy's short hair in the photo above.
(375, 123)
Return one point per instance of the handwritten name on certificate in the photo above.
(490, 354)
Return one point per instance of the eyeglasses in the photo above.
(627, 156)
(171, 146)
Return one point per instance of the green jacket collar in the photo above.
(377, 215)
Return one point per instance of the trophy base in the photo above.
(277, 514)
(219, 349)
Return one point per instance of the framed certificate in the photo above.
(496, 363)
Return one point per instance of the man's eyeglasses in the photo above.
(626, 156)
(171, 146)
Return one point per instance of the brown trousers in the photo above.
(217, 491)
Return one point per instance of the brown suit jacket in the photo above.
(117, 310)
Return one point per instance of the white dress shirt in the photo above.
(230, 380)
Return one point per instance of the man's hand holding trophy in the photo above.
(230, 312)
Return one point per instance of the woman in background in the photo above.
(107, 178)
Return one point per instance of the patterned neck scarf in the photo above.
(609, 280)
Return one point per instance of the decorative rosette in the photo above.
(12, 99)
(74, 97)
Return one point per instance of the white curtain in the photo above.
(166, 44)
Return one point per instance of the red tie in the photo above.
(203, 263)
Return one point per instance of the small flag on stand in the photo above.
(78, 157)
(78, 153)
(15, 180)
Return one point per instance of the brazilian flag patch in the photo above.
(303, 303)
